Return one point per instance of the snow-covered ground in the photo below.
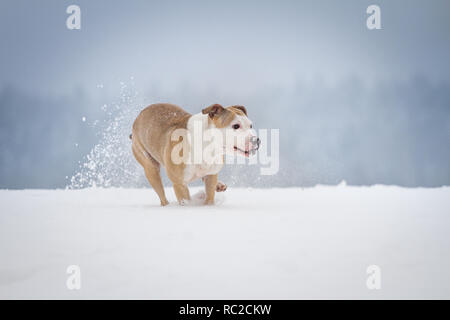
(256, 243)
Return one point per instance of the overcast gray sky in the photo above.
(233, 44)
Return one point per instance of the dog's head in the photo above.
(236, 127)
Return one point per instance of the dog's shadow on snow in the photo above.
(197, 201)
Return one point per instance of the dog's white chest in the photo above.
(196, 171)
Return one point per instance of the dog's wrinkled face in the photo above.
(237, 129)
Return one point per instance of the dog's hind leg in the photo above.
(152, 171)
(154, 177)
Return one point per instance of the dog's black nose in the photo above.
(255, 142)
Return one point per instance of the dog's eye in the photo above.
(236, 126)
(251, 126)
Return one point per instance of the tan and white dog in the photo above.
(190, 147)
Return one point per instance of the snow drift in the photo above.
(256, 243)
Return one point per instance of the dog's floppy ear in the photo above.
(242, 108)
(213, 110)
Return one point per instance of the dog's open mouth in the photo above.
(243, 152)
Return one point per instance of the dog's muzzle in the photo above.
(256, 142)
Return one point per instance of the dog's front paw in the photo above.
(221, 187)
(184, 202)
